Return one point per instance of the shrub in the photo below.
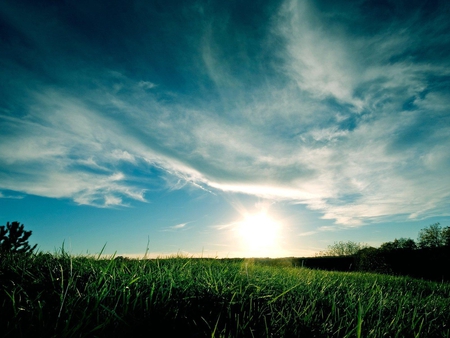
(14, 239)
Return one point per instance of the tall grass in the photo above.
(63, 296)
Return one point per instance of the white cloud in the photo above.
(123, 155)
(177, 227)
(320, 61)
(318, 168)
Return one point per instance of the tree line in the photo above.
(432, 237)
(428, 257)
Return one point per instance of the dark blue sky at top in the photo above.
(160, 41)
(342, 107)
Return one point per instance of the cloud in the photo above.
(62, 150)
(12, 196)
(177, 227)
(307, 233)
(146, 84)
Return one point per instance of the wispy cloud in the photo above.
(307, 233)
(12, 196)
(146, 84)
(177, 227)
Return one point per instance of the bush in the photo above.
(14, 239)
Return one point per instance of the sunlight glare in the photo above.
(259, 234)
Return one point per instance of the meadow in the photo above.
(59, 295)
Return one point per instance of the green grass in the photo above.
(63, 296)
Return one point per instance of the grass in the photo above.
(63, 296)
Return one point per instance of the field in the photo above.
(59, 295)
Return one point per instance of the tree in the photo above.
(343, 249)
(433, 236)
(407, 243)
(401, 243)
(14, 239)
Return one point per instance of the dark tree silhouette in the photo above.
(401, 243)
(14, 239)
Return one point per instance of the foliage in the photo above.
(14, 239)
(398, 244)
(433, 236)
(343, 249)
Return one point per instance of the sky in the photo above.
(223, 128)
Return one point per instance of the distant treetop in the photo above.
(343, 249)
(434, 236)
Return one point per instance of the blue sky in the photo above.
(175, 122)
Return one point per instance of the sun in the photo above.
(259, 234)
